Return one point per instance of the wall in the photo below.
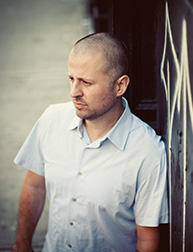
(159, 36)
(175, 50)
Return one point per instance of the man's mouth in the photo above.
(79, 105)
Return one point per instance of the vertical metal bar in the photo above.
(184, 67)
(169, 156)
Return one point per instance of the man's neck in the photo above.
(100, 127)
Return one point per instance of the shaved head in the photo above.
(114, 51)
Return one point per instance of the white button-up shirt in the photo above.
(98, 191)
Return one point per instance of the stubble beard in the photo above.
(93, 114)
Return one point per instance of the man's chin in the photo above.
(80, 114)
(86, 117)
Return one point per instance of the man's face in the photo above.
(92, 93)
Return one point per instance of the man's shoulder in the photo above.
(59, 107)
(146, 146)
(145, 137)
(58, 112)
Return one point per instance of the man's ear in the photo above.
(122, 84)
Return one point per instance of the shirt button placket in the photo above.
(71, 224)
(74, 200)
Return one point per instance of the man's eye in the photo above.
(86, 82)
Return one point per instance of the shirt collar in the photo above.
(118, 135)
(76, 123)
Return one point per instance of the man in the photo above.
(104, 170)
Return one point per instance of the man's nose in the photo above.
(75, 89)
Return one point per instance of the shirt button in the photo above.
(69, 245)
(74, 199)
(79, 173)
(71, 223)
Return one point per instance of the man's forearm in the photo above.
(31, 204)
(150, 246)
(148, 239)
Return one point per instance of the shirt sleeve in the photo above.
(30, 155)
(151, 201)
